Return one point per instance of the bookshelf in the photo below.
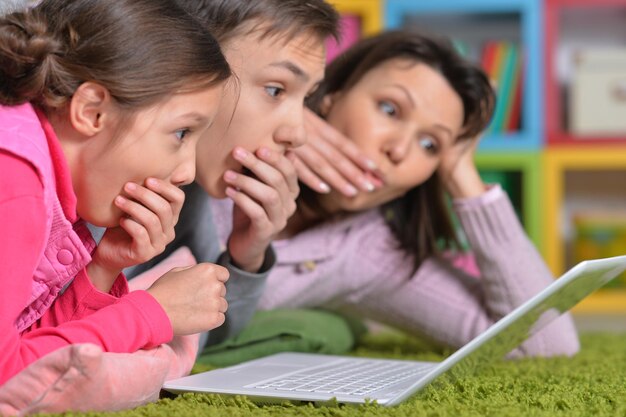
(583, 170)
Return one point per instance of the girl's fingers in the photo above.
(143, 216)
(154, 203)
(171, 193)
(140, 240)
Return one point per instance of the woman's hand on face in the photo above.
(193, 297)
(458, 170)
(264, 201)
(151, 212)
(328, 160)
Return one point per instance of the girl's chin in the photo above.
(103, 218)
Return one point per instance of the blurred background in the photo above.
(557, 142)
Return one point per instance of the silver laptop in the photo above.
(309, 377)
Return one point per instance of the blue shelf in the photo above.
(516, 141)
(529, 138)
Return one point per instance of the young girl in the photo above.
(101, 106)
(415, 108)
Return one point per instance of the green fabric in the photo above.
(276, 331)
(591, 384)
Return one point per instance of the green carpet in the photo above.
(591, 384)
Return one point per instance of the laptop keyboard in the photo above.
(351, 377)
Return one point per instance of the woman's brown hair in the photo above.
(140, 50)
(420, 219)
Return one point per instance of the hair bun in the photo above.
(27, 49)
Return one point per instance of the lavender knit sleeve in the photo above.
(511, 269)
(452, 307)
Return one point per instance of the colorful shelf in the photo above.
(528, 165)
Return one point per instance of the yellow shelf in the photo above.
(556, 162)
(603, 302)
(370, 12)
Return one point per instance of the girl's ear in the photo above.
(90, 108)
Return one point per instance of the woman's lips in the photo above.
(375, 177)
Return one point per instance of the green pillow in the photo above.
(297, 330)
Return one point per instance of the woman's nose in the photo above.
(397, 147)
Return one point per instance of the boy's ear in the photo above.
(90, 108)
(327, 104)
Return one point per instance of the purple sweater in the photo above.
(353, 265)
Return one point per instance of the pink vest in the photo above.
(68, 247)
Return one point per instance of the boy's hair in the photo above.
(420, 219)
(229, 18)
(140, 50)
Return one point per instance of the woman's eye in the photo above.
(181, 133)
(387, 108)
(428, 144)
(274, 91)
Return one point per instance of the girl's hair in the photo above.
(140, 50)
(229, 18)
(420, 219)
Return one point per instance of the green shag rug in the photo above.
(591, 384)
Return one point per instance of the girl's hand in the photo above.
(264, 201)
(151, 214)
(328, 160)
(193, 297)
(458, 170)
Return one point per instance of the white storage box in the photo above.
(597, 104)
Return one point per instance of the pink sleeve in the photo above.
(81, 299)
(22, 214)
(124, 324)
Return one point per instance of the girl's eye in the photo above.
(181, 133)
(274, 91)
(387, 108)
(428, 144)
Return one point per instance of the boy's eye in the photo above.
(427, 143)
(181, 133)
(387, 108)
(273, 91)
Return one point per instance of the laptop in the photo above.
(320, 379)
